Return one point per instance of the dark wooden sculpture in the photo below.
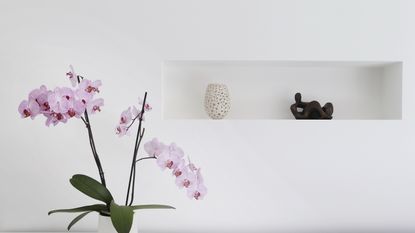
(311, 110)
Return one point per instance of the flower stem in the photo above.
(150, 157)
(92, 142)
(139, 137)
(84, 121)
(135, 164)
(134, 175)
(94, 149)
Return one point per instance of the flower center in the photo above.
(96, 108)
(186, 183)
(69, 74)
(90, 89)
(178, 173)
(169, 164)
(59, 116)
(118, 130)
(123, 120)
(46, 106)
(71, 113)
(197, 195)
(26, 113)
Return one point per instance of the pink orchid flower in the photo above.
(121, 130)
(147, 106)
(126, 117)
(174, 149)
(73, 77)
(180, 170)
(40, 95)
(154, 147)
(29, 109)
(90, 86)
(95, 105)
(54, 118)
(197, 190)
(83, 97)
(60, 99)
(186, 178)
(170, 157)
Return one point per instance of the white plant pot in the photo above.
(217, 100)
(105, 225)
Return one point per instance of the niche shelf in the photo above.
(359, 90)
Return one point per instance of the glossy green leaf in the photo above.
(75, 220)
(121, 217)
(91, 188)
(151, 206)
(97, 207)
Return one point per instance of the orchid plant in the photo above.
(79, 102)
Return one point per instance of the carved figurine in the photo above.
(311, 110)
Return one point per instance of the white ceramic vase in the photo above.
(217, 101)
(105, 225)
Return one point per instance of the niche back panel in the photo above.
(265, 89)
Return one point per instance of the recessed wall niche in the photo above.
(266, 89)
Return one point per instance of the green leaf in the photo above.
(151, 206)
(121, 217)
(75, 220)
(97, 207)
(91, 188)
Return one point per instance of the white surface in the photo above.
(266, 89)
(262, 175)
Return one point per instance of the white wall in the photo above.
(261, 175)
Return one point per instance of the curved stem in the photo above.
(132, 122)
(143, 158)
(134, 175)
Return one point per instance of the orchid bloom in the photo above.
(95, 105)
(147, 106)
(29, 109)
(60, 99)
(171, 157)
(154, 147)
(121, 130)
(187, 175)
(72, 76)
(197, 190)
(184, 177)
(40, 95)
(125, 119)
(90, 86)
(54, 118)
(62, 103)
(128, 116)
